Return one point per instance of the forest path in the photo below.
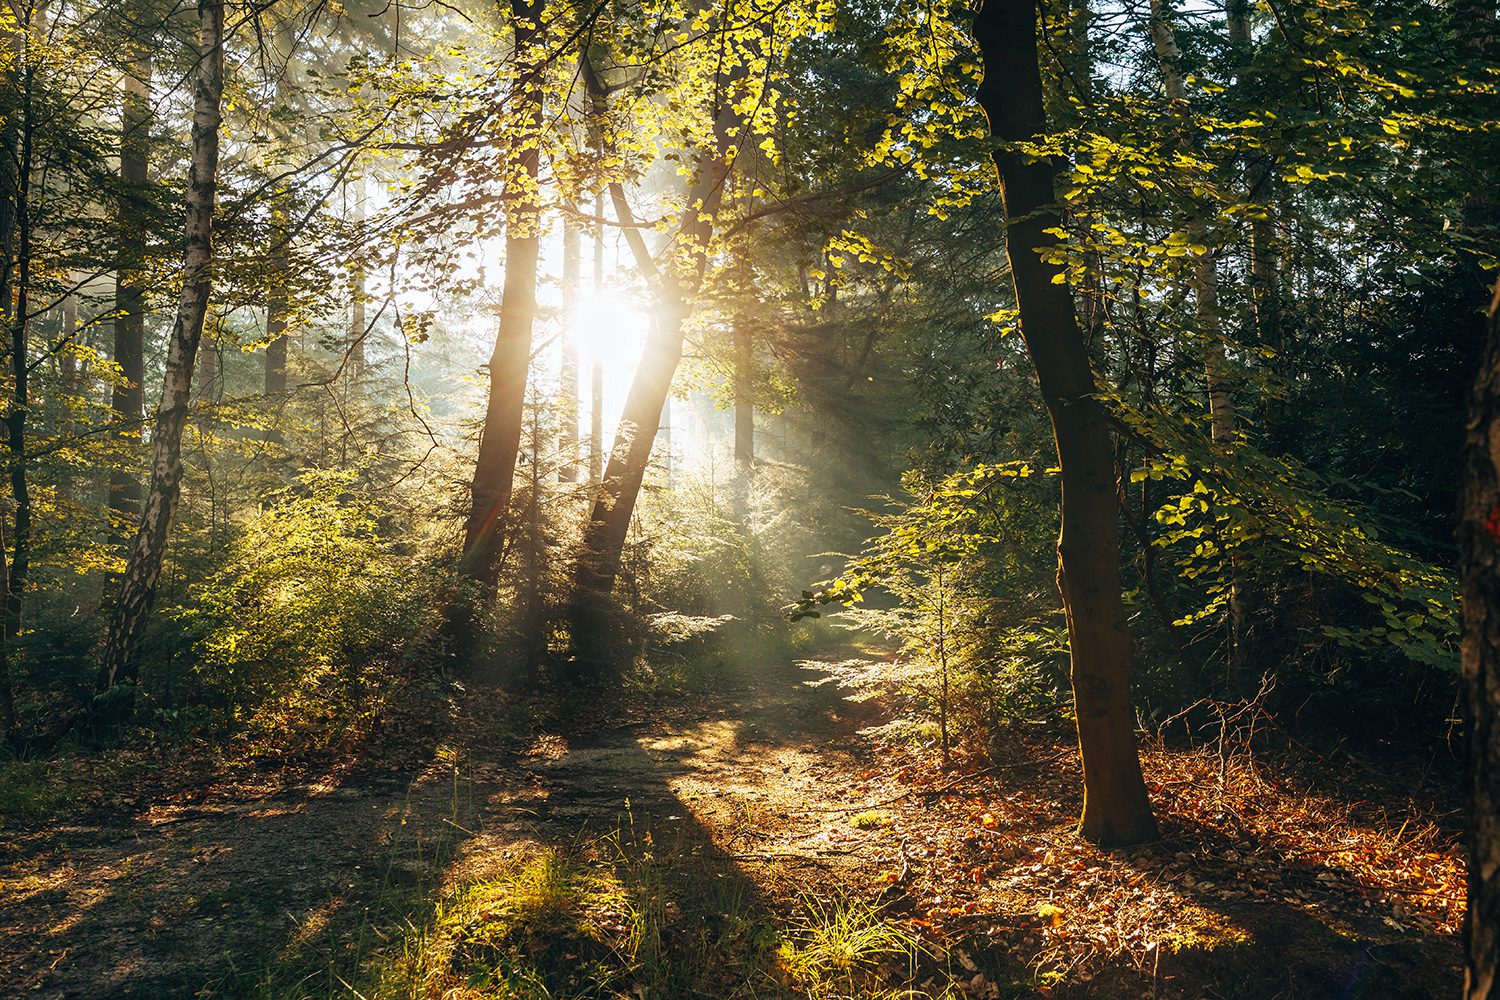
(743, 795)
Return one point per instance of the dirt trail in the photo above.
(752, 785)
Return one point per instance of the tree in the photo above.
(1479, 550)
(131, 279)
(500, 436)
(143, 565)
(674, 283)
(1116, 810)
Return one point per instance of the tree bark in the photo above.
(744, 391)
(500, 437)
(1116, 810)
(630, 455)
(1479, 552)
(128, 398)
(596, 370)
(1265, 267)
(143, 566)
(15, 277)
(1205, 283)
(567, 415)
(276, 348)
(358, 325)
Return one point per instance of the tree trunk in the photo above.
(567, 411)
(1265, 268)
(275, 350)
(67, 361)
(19, 324)
(15, 277)
(609, 522)
(596, 370)
(208, 365)
(1479, 552)
(143, 566)
(500, 437)
(629, 457)
(744, 392)
(1221, 413)
(128, 398)
(1116, 810)
(358, 325)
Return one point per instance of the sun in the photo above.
(609, 329)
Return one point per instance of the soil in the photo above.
(773, 788)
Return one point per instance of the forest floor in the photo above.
(754, 840)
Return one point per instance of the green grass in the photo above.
(31, 790)
(844, 948)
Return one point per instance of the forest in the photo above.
(750, 499)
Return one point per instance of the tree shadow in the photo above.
(1269, 924)
(306, 891)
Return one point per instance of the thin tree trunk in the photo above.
(1205, 283)
(609, 522)
(500, 437)
(67, 361)
(567, 415)
(534, 612)
(276, 350)
(1116, 810)
(1479, 551)
(744, 391)
(1265, 267)
(358, 325)
(8, 733)
(15, 420)
(15, 276)
(128, 398)
(596, 370)
(208, 365)
(143, 567)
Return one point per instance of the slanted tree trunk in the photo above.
(143, 565)
(1116, 810)
(500, 437)
(1479, 554)
(128, 398)
(630, 455)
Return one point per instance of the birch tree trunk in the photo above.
(143, 566)
(1116, 810)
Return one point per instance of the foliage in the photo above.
(311, 609)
